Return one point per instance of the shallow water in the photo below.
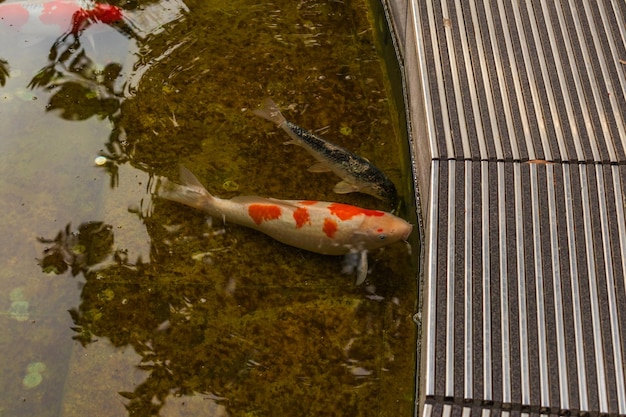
(171, 314)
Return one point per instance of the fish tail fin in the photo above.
(270, 111)
(191, 192)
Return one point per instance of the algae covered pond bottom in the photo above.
(115, 302)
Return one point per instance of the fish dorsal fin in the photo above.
(343, 187)
(319, 167)
(253, 199)
(187, 178)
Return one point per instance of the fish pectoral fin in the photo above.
(319, 167)
(361, 269)
(343, 187)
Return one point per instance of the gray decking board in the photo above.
(522, 106)
(528, 324)
(491, 61)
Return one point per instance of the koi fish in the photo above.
(316, 226)
(68, 15)
(357, 173)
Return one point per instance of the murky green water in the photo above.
(169, 314)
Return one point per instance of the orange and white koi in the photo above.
(322, 227)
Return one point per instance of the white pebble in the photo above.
(100, 160)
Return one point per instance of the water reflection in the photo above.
(4, 72)
(89, 245)
(207, 312)
(245, 345)
(82, 87)
(79, 88)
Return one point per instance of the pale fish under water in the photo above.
(317, 226)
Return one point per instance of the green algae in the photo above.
(36, 367)
(270, 329)
(230, 185)
(345, 130)
(17, 294)
(34, 375)
(31, 380)
(19, 310)
(107, 294)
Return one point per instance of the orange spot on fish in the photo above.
(330, 227)
(346, 212)
(301, 216)
(262, 212)
(308, 202)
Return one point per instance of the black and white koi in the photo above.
(357, 173)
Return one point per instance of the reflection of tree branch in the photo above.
(4, 72)
(89, 245)
(44, 77)
(61, 55)
(79, 103)
(83, 91)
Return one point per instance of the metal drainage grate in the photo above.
(522, 106)
(526, 298)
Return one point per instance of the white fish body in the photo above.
(322, 227)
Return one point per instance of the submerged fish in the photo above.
(316, 226)
(357, 173)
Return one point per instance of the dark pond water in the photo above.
(113, 302)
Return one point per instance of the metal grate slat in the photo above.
(546, 338)
(521, 63)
